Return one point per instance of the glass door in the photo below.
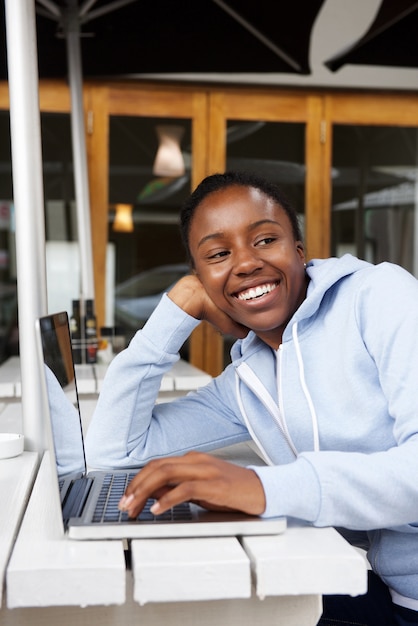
(374, 192)
(60, 213)
(136, 211)
(374, 179)
(145, 196)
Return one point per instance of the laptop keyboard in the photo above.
(113, 488)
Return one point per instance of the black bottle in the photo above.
(90, 331)
(75, 328)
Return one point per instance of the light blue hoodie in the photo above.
(334, 411)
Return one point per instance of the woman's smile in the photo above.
(256, 292)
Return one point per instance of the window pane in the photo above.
(58, 177)
(60, 225)
(61, 231)
(149, 255)
(374, 193)
(274, 150)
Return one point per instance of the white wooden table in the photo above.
(265, 580)
(227, 581)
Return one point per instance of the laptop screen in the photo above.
(62, 394)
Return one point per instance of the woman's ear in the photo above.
(301, 250)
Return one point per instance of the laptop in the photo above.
(88, 500)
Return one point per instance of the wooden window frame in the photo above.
(209, 108)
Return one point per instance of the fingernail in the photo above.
(125, 501)
(155, 508)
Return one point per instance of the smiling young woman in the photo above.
(322, 378)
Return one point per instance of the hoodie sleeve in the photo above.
(128, 428)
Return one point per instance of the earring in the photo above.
(304, 265)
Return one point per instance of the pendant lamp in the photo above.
(169, 159)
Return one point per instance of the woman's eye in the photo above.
(265, 241)
(218, 255)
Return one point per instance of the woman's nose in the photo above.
(246, 261)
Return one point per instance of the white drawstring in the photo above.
(245, 373)
(248, 423)
(305, 388)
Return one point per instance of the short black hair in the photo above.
(216, 182)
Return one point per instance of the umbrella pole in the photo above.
(29, 207)
(79, 151)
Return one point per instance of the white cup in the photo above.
(11, 444)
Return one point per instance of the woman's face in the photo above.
(247, 259)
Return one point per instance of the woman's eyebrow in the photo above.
(211, 236)
(262, 222)
(220, 234)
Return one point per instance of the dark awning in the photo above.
(392, 39)
(174, 36)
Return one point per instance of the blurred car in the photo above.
(137, 297)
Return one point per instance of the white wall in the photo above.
(63, 277)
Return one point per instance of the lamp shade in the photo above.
(123, 221)
(169, 159)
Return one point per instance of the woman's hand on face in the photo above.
(195, 477)
(190, 295)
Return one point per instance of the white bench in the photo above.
(182, 377)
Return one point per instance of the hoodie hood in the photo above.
(323, 274)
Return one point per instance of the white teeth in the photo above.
(261, 290)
